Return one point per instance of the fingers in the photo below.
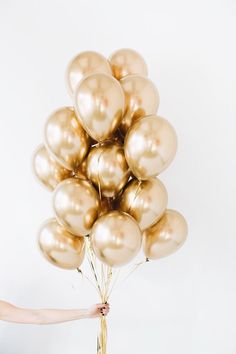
(101, 306)
(104, 309)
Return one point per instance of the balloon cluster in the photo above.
(101, 157)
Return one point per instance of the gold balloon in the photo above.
(47, 170)
(59, 246)
(84, 64)
(116, 238)
(107, 168)
(99, 103)
(141, 97)
(65, 138)
(76, 205)
(127, 62)
(150, 146)
(166, 236)
(145, 200)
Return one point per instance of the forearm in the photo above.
(15, 314)
(53, 316)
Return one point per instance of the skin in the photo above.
(11, 313)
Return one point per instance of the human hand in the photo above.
(98, 310)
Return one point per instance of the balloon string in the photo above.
(103, 289)
(99, 183)
(116, 278)
(102, 337)
(134, 268)
(92, 264)
(90, 280)
(108, 281)
(104, 278)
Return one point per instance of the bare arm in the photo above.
(11, 313)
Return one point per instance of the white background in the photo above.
(184, 304)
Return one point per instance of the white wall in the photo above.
(184, 304)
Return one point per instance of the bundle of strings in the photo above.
(102, 283)
(105, 281)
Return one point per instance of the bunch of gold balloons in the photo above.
(100, 158)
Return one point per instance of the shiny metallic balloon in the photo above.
(145, 200)
(59, 246)
(150, 146)
(99, 103)
(107, 168)
(65, 138)
(141, 97)
(127, 62)
(166, 236)
(85, 63)
(47, 170)
(116, 238)
(76, 205)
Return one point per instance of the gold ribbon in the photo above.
(102, 284)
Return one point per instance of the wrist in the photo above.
(86, 313)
